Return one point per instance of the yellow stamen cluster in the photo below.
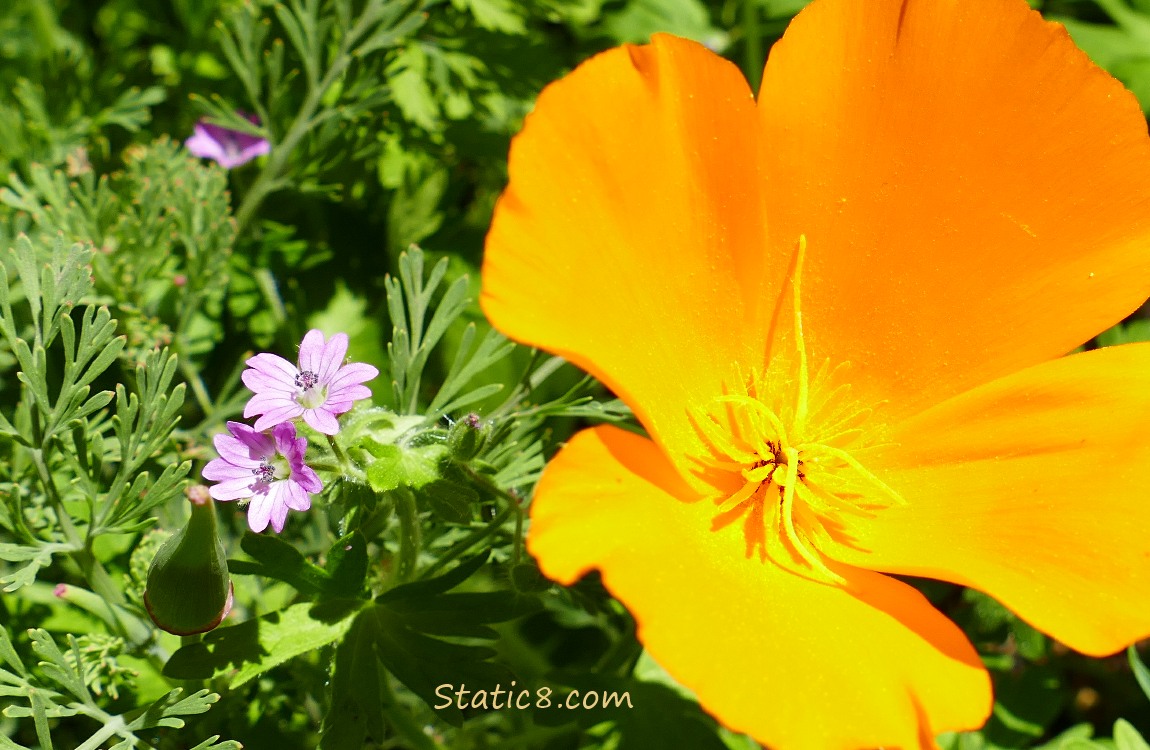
(792, 441)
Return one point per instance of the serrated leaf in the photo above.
(397, 466)
(253, 647)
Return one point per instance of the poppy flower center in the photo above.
(789, 447)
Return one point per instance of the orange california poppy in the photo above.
(840, 314)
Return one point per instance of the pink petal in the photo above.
(261, 403)
(337, 408)
(278, 416)
(306, 477)
(279, 492)
(296, 498)
(349, 393)
(274, 366)
(219, 470)
(260, 509)
(333, 353)
(259, 443)
(311, 351)
(232, 489)
(258, 382)
(259, 148)
(321, 421)
(203, 145)
(284, 434)
(355, 372)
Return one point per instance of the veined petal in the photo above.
(332, 357)
(352, 373)
(259, 382)
(278, 416)
(630, 238)
(1033, 489)
(295, 497)
(219, 469)
(311, 350)
(767, 652)
(274, 366)
(348, 393)
(321, 420)
(974, 191)
(262, 508)
(265, 401)
(232, 489)
(280, 494)
(237, 452)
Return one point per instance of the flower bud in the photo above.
(466, 438)
(189, 590)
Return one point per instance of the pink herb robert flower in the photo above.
(268, 469)
(228, 148)
(320, 389)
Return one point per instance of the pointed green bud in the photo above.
(466, 437)
(189, 590)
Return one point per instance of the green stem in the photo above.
(97, 578)
(194, 380)
(468, 542)
(410, 538)
(271, 178)
(345, 465)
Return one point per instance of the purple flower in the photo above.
(229, 148)
(269, 469)
(319, 390)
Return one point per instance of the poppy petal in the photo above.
(972, 188)
(628, 237)
(764, 650)
(1032, 489)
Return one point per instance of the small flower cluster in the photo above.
(265, 463)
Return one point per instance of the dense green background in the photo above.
(401, 140)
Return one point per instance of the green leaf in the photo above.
(166, 712)
(1141, 672)
(451, 501)
(1076, 736)
(354, 711)
(34, 557)
(347, 565)
(1126, 737)
(253, 647)
(644, 714)
(496, 15)
(1025, 705)
(437, 585)
(397, 466)
(639, 19)
(410, 89)
(280, 560)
